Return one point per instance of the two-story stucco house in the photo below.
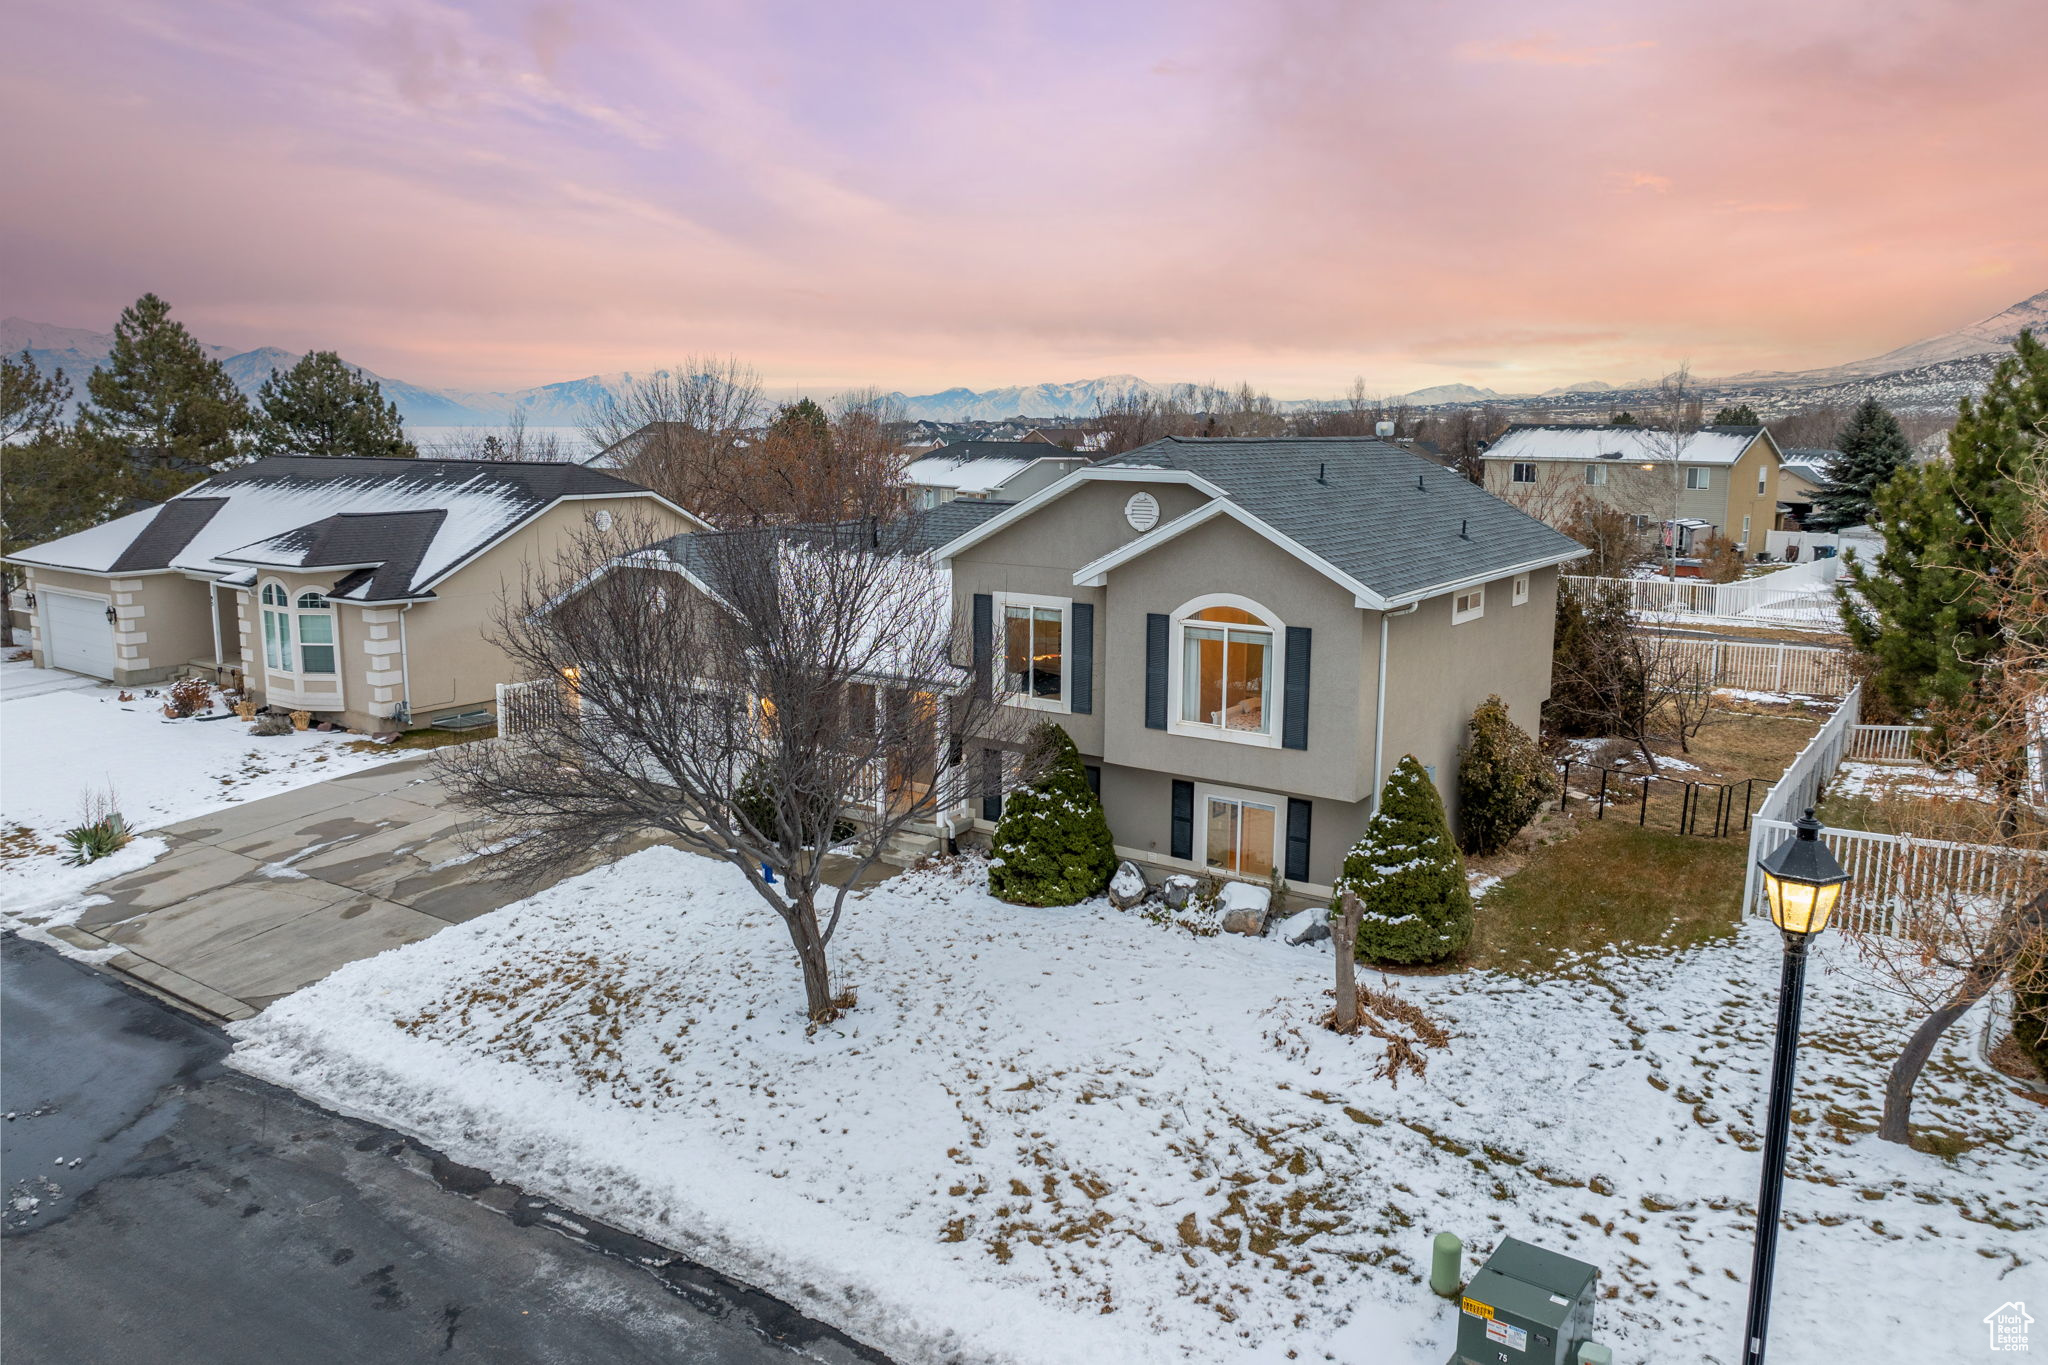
(361, 590)
(1719, 480)
(1244, 636)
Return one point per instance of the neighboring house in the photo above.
(357, 589)
(987, 471)
(1067, 438)
(1244, 636)
(1800, 479)
(1723, 480)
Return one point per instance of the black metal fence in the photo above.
(1712, 810)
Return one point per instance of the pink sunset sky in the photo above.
(1293, 192)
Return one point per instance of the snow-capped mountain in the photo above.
(1926, 375)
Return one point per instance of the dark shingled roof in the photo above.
(1396, 522)
(994, 450)
(391, 544)
(168, 532)
(920, 532)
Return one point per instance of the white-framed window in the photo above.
(298, 637)
(1763, 473)
(1225, 670)
(1596, 475)
(1031, 637)
(1520, 594)
(1468, 605)
(1699, 479)
(1745, 534)
(1522, 471)
(1240, 831)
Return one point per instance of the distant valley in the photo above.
(1924, 376)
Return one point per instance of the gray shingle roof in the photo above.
(167, 533)
(920, 532)
(1396, 522)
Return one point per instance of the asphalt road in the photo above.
(159, 1206)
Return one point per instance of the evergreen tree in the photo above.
(1408, 876)
(1928, 612)
(802, 425)
(162, 411)
(1736, 415)
(322, 406)
(1871, 449)
(1624, 418)
(1503, 780)
(1597, 681)
(30, 401)
(1052, 845)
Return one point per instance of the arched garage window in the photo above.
(297, 638)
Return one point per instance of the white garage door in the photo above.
(77, 634)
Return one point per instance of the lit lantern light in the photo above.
(1802, 880)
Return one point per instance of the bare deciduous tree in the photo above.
(758, 696)
(515, 441)
(1953, 937)
(684, 432)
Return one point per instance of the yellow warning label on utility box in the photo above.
(1478, 1309)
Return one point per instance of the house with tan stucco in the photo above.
(360, 590)
(1243, 637)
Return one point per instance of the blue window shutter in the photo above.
(1155, 676)
(984, 640)
(991, 784)
(1081, 661)
(1294, 705)
(1298, 813)
(1183, 818)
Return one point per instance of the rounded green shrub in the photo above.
(1408, 876)
(1503, 779)
(1052, 843)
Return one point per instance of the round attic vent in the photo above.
(601, 519)
(1142, 511)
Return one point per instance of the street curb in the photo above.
(173, 988)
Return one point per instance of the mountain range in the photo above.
(1925, 375)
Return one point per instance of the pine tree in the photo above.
(163, 412)
(30, 401)
(1624, 418)
(1928, 611)
(1503, 780)
(1408, 876)
(1597, 681)
(1871, 449)
(1736, 415)
(322, 406)
(803, 425)
(1052, 845)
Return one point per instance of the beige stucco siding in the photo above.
(162, 620)
(1743, 499)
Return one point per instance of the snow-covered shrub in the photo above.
(756, 802)
(102, 831)
(1408, 876)
(1052, 844)
(1503, 779)
(271, 724)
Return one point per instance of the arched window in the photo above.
(1227, 669)
(277, 629)
(316, 634)
(297, 637)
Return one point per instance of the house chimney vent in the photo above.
(1463, 534)
(1322, 471)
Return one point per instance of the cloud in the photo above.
(1641, 180)
(1545, 49)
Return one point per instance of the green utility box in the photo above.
(1526, 1306)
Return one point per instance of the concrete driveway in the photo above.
(256, 900)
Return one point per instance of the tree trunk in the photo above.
(1344, 943)
(1897, 1123)
(810, 953)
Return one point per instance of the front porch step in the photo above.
(907, 848)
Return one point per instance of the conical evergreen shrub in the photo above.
(1408, 876)
(1052, 844)
(1503, 779)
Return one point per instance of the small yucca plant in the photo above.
(104, 830)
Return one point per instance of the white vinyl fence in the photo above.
(524, 707)
(1889, 874)
(1887, 743)
(1761, 666)
(1792, 597)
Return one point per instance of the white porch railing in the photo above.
(526, 706)
(1886, 743)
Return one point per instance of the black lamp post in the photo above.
(1803, 881)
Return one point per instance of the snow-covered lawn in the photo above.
(58, 746)
(1875, 781)
(1073, 1135)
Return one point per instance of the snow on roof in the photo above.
(1586, 444)
(275, 511)
(981, 466)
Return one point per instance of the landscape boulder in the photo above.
(1304, 926)
(1128, 886)
(1244, 906)
(1176, 890)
